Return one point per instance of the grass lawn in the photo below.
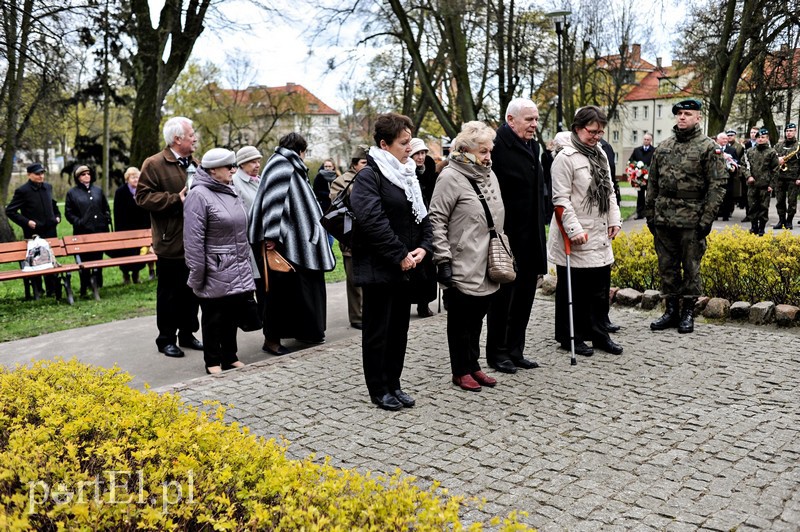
(23, 319)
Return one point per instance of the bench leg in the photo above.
(57, 286)
(94, 282)
(68, 288)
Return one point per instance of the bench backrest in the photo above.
(17, 251)
(136, 238)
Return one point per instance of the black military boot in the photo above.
(788, 225)
(754, 226)
(687, 316)
(761, 226)
(780, 225)
(670, 318)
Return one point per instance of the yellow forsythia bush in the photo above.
(738, 265)
(80, 450)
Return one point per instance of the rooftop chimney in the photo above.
(636, 53)
(658, 63)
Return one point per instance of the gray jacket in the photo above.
(215, 240)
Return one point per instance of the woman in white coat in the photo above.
(582, 185)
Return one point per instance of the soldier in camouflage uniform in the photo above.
(763, 165)
(787, 183)
(684, 192)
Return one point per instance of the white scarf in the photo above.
(403, 176)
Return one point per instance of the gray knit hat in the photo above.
(246, 154)
(216, 157)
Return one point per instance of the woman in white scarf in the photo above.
(393, 235)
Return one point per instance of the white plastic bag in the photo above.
(40, 255)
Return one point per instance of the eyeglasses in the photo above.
(230, 166)
(597, 133)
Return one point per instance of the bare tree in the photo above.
(32, 49)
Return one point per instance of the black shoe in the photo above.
(171, 350)
(404, 398)
(580, 348)
(611, 327)
(277, 352)
(504, 366)
(524, 363)
(191, 343)
(357, 326)
(788, 225)
(609, 346)
(387, 401)
(423, 311)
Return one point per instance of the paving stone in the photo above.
(678, 432)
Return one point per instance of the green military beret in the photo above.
(763, 131)
(790, 125)
(687, 105)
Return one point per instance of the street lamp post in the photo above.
(561, 24)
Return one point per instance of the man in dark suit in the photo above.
(515, 161)
(34, 209)
(643, 153)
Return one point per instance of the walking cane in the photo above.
(559, 210)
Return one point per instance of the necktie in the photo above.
(184, 162)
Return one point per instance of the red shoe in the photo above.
(466, 382)
(484, 379)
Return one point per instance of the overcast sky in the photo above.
(278, 51)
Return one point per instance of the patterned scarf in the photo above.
(600, 189)
(403, 176)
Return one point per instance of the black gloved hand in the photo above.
(703, 231)
(444, 274)
(651, 225)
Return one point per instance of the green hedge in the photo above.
(79, 450)
(738, 265)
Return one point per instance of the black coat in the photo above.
(33, 201)
(385, 230)
(127, 214)
(522, 186)
(322, 188)
(87, 210)
(640, 155)
(612, 165)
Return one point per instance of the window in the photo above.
(615, 136)
(616, 114)
(658, 136)
(635, 112)
(326, 120)
(660, 107)
(635, 135)
(644, 110)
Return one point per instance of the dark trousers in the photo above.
(385, 334)
(641, 198)
(465, 315)
(86, 275)
(176, 304)
(758, 198)
(219, 321)
(786, 197)
(507, 320)
(353, 292)
(589, 303)
(679, 253)
(261, 288)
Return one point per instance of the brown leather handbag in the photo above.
(501, 266)
(273, 261)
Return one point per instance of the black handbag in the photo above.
(249, 319)
(339, 220)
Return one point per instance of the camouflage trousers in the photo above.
(758, 200)
(679, 253)
(786, 194)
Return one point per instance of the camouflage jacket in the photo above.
(793, 166)
(687, 181)
(763, 165)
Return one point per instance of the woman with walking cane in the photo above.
(583, 195)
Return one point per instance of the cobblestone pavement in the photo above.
(680, 432)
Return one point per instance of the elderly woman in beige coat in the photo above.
(461, 247)
(582, 186)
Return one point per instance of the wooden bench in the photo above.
(110, 242)
(17, 251)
